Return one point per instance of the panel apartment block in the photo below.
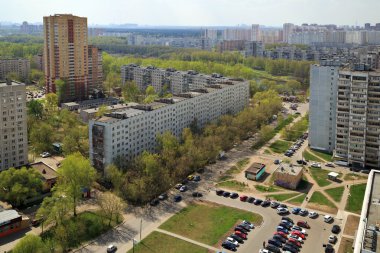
(358, 117)
(19, 66)
(129, 132)
(13, 125)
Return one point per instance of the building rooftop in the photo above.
(13, 83)
(255, 167)
(8, 215)
(46, 171)
(290, 169)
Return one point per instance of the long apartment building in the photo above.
(130, 131)
(21, 67)
(68, 56)
(358, 117)
(13, 125)
(176, 81)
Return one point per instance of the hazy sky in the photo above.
(197, 12)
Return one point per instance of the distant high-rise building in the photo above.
(13, 126)
(67, 57)
(288, 29)
(211, 34)
(367, 26)
(20, 67)
(255, 36)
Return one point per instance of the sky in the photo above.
(197, 12)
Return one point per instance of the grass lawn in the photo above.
(207, 223)
(325, 156)
(263, 188)
(310, 157)
(320, 176)
(353, 176)
(355, 199)
(336, 193)
(298, 200)
(267, 152)
(282, 197)
(232, 185)
(280, 146)
(162, 243)
(236, 169)
(320, 199)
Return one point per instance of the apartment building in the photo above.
(176, 81)
(21, 67)
(129, 132)
(358, 117)
(13, 125)
(322, 115)
(68, 57)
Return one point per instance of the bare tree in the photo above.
(111, 205)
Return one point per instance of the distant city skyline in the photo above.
(197, 12)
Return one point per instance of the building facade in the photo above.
(129, 132)
(21, 67)
(13, 125)
(323, 98)
(68, 57)
(357, 120)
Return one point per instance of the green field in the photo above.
(324, 156)
(355, 199)
(282, 197)
(207, 223)
(263, 188)
(232, 185)
(320, 176)
(280, 146)
(336, 193)
(298, 200)
(162, 243)
(310, 157)
(320, 199)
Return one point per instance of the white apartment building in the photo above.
(358, 117)
(322, 116)
(13, 125)
(129, 132)
(19, 66)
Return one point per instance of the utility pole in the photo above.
(140, 228)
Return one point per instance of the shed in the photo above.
(333, 176)
(255, 171)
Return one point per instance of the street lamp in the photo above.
(134, 241)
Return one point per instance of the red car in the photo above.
(303, 224)
(282, 234)
(243, 198)
(241, 235)
(298, 233)
(295, 242)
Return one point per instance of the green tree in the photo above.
(60, 85)
(35, 109)
(103, 109)
(131, 92)
(51, 103)
(30, 244)
(112, 80)
(42, 137)
(111, 206)
(75, 174)
(16, 185)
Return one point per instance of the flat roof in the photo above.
(8, 215)
(290, 169)
(333, 174)
(71, 104)
(4, 84)
(255, 168)
(46, 171)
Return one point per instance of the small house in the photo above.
(255, 171)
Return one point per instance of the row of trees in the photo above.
(153, 173)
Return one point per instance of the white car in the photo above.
(264, 251)
(297, 228)
(45, 154)
(111, 248)
(332, 239)
(282, 210)
(183, 188)
(296, 238)
(233, 241)
(313, 215)
(328, 218)
(331, 165)
(315, 165)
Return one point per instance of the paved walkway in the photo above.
(187, 240)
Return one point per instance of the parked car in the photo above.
(329, 249)
(332, 239)
(237, 238)
(190, 177)
(234, 195)
(335, 229)
(197, 178)
(285, 225)
(296, 237)
(273, 248)
(303, 212)
(303, 231)
(282, 234)
(111, 248)
(282, 229)
(302, 162)
(183, 188)
(282, 210)
(298, 233)
(232, 240)
(277, 161)
(163, 196)
(226, 194)
(295, 242)
(257, 201)
(36, 222)
(250, 199)
(275, 243)
(219, 192)
(274, 204)
(365, 171)
(331, 165)
(248, 223)
(241, 229)
(328, 219)
(288, 247)
(241, 234)
(177, 198)
(283, 205)
(296, 210)
(303, 224)
(45, 154)
(313, 215)
(265, 203)
(178, 186)
(315, 165)
(197, 194)
(154, 202)
(280, 238)
(287, 219)
(264, 251)
(243, 198)
(229, 245)
(246, 227)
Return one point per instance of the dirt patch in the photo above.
(346, 245)
(322, 208)
(352, 224)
